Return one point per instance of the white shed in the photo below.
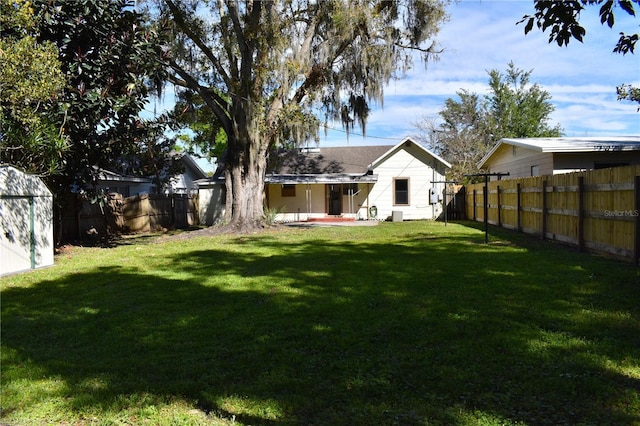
(26, 222)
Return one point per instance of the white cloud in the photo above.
(483, 35)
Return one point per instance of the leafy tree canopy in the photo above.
(30, 77)
(562, 20)
(202, 133)
(517, 108)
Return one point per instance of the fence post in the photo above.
(544, 209)
(518, 224)
(581, 213)
(498, 199)
(172, 219)
(636, 230)
(474, 205)
(485, 198)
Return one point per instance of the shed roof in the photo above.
(577, 144)
(16, 183)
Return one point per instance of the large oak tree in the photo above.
(272, 71)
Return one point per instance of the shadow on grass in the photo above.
(423, 329)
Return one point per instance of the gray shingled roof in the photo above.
(344, 160)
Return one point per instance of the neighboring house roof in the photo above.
(191, 164)
(109, 176)
(579, 144)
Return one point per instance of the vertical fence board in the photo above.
(596, 210)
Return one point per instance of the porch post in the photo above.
(308, 199)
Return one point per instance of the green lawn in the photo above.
(403, 323)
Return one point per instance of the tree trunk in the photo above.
(245, 174)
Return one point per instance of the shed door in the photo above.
(334, 196)
(15, 240)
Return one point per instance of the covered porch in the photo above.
(317, 197)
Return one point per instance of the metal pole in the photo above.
(486, 200)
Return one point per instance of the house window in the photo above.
(535, 170)
(349, 188)
(401, 191)
(288, 190)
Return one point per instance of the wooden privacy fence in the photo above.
(597, 210)
(145, 213)
(140, 213)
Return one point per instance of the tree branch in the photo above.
(216, 102)
(184, 26)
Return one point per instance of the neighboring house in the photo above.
(546, 156)
(183, 183)
(353, 182)
(26, 222)
(127, 186)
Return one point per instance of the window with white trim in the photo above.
(401, 191)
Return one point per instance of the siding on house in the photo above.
(211, 202)
(295, 208)
(549, 156)
(407, 162)
(518, 162)
(314, 203)
(186, 182)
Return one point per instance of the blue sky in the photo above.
(483, 35)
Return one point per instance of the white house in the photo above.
(547, 156)
(26, 222)
(185, 182)
(348, 183)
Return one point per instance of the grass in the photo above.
(403, 323)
